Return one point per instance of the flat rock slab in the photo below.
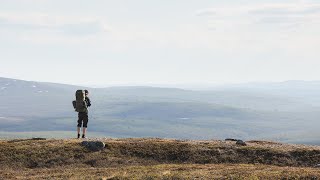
(32, 139)
(38, 138)
(93, 145)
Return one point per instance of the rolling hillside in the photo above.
(42, 109)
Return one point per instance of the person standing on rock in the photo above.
(81, 105)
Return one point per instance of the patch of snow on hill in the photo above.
(185, 118)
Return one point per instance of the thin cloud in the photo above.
(83, 28)
(52, 24)
(286, 9)
(287, 14)
(206, 12)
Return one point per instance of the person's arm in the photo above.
(88, 102)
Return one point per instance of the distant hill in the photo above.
(238, 111)
(303, 91)
(151, 158)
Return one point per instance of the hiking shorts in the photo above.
(83, 118)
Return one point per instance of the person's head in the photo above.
(86, 92)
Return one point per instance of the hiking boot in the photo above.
(83, 136)
(78, 136)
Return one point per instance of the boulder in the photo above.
(93, 145)
(241, 143)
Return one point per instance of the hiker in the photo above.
(81, 105)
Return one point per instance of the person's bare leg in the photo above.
(84, 130)
(78, 129)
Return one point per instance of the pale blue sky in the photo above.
(159, 42)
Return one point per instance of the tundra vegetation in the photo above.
(153, 158)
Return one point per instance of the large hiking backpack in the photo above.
(80, 104)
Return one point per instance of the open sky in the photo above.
(100, 42)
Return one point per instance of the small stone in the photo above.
(317, 166)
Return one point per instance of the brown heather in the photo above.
(150, 158)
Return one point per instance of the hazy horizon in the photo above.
(172, 85)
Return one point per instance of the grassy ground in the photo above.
(168, 171)
(156, 159)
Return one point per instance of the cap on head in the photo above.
(86, 91)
